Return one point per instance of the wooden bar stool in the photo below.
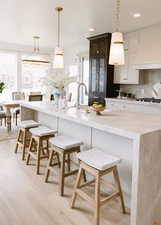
(157, 222)
(37, 149)
(23, 137)
(98, 164)
(63, 147)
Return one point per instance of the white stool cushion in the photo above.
(42, 131)
(28, 124)
(98, 159)
(65, 142)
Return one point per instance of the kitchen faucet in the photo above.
(78, 93)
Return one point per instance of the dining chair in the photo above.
(38, 97)
(16, 96)
(2, 115)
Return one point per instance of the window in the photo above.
(73, 71)
(8, 71)
(32, 74)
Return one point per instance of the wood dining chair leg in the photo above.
(62, 171)
(97, 199)
(77, 184)
(117, 182)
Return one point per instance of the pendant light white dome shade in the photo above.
(58, 59)
(117, 49)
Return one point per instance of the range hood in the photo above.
(148, 66)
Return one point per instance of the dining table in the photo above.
(8, 106)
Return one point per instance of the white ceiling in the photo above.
(21, 19)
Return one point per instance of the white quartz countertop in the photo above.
(131, 101)
(126, 124)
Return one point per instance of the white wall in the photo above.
(144, 45)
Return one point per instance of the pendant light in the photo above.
(117, 45)
(35, 58)
(58, 58)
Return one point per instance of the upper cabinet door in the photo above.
(127, 74)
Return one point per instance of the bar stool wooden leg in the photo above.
(97, 199)
(68, 162)
(18, 138)
(77, 184)
(24, 144)
(58, 159)
(117, 182)
(30, 149)
(39, 147)
(49, 165)
(62, 169)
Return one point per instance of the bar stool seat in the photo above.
(2, 113)
(23, 138)
(65, 142)
(28, 124)
(98, 159)
(37, 149)
(42, 131)
(98, 164)
(62, 148)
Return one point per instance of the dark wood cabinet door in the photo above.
(101, 73)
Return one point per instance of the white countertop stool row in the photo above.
(39, 145)
(23, 137)
(62, 147)
(98, 164)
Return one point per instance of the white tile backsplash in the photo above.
(144, 89)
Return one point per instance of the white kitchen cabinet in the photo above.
(127, 74)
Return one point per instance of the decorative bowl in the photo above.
(98, 110)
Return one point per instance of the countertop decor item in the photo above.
(58, 58)
(58, 83)
(117, 44)
(98, 108)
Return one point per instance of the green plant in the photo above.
(2, 86)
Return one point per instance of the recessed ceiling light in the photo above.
(137, 15)
(91, 29)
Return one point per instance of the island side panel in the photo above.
(46, 120)
(146, 201)
(76, 130)
(122, 148)
(27, 114)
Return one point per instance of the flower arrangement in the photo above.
(2, 86)
(58, 81)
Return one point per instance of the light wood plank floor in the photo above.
(26, 200)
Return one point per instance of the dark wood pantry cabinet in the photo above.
(101, 74)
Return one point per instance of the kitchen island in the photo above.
(134, 137)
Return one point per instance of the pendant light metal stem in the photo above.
(59, 9)
(58, 59)
(117, 48)
(118, 4)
